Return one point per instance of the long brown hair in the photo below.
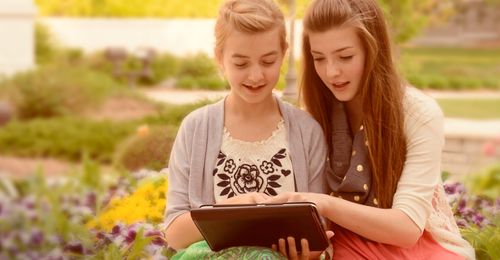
(381, 88)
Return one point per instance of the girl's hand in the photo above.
(292, 252)
(321, 200)
(247, 198)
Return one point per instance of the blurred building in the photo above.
(17, 36)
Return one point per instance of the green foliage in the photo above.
(406, 17)
(57, 89)
(485, 183)
(485, 108)
(130, 8)
(66, 138)
(148, 149)
(199, 65)
(45, 48)
(174, 114)
(164, 66)
(199, 72)
(451, 68)
(485, 240)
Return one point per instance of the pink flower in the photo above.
(489, 149)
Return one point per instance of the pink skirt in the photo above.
(349, 245)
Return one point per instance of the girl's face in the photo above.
(339, 60)
(251, 63)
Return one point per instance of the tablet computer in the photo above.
(225, 226)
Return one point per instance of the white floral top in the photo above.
(262, 166)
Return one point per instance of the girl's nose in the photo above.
(256, 74)
(332, 71)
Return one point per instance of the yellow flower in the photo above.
(142, 130)
(146, 203)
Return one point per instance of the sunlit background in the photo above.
(92, 93)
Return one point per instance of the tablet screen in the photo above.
(225, 226)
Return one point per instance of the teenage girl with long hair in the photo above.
(384, 140)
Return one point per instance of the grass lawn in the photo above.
(451, 68)
(471, 108)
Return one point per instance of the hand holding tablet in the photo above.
(225, 226)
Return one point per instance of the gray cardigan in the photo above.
(198, 142)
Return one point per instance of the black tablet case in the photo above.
(225, 226)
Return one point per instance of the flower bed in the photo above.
(110, 216)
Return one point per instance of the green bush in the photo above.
(186, 82)
(164, 66)
(58, 89)
(149, 148)
(199, 65)
(45, 46)
(486, 182)
(174, 114)
(65, 138)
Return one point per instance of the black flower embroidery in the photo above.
(267, 167)
(247, 179)
(229, 166)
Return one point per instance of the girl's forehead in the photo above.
(250, 44)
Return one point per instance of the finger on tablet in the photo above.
(292, 249)
(304, 254)
(282, 247)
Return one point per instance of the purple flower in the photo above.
(478, 219)
(116, 230)
(74, 247)
(157, 237)
(36, 238)
(130, 236)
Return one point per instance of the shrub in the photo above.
(58, 89)
(199, 65)
(66, 138)
(45, 46)
(174, 114)
(149, 148)
(164, 66)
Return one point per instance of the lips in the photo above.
(340, 85)
(254, 88)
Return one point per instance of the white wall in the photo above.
(16, 36)
(177, 36)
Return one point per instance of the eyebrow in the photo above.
(337, 50)
(237, 55)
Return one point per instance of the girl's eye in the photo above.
(318, 58)
(240, 65)
(346, 57)
(268, 63)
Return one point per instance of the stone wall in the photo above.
(469, 154)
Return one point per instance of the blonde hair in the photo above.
(381, 88)
(248, 16)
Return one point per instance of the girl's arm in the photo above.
(181, 231)
(389, 226)
(403, 224)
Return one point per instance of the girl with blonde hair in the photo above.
(248, 146)
(384, 142)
